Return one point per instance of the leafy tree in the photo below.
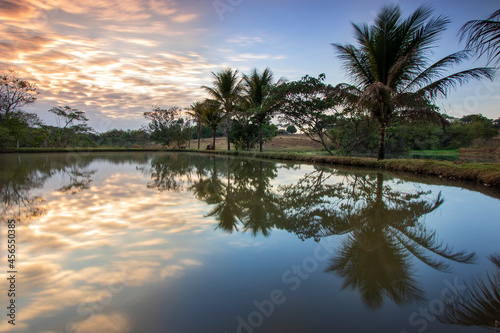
(391, 70)
(66, 116)
(161, 122)
(350, 131)
(226, 90)
(20, 128)
(14, 94)
(483, 36)
(309, 104)
(291, 129)
(179, 131)
(246, 132)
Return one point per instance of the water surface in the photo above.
(163, 242)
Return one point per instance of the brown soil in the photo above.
(285, 143)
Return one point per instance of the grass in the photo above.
(453, 152)
(486, 173)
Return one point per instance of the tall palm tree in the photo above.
(226, 90)
(257, 86)
(391, 69)
(483, 36)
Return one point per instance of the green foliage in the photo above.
(391, 68)
(245, 133)
(166, 128)
(70, 132)
(309, 104)
(123, 138)
(291, 129)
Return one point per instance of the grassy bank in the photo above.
(485, 173)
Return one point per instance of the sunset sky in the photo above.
(114, 59)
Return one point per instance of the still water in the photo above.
(164, 242)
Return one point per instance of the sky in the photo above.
(116, 59)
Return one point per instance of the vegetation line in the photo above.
(485, 173)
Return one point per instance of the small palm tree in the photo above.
(391, 70)
(257, 86)
(212, 115)
(195, 110)
(226, 90)
(483, 36)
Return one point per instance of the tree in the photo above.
(246, 132)
(309, 104)
(167, 126)
(483, 36)
(195, 110)
(212, 115)
(391, 70)
(291, 129)
(66, 116)
(14, 94)
(257, 87)
(226, 90)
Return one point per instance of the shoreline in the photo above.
(487, 174)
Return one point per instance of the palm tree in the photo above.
(257, 86)
(226, 90)
(195, 110)
(391, 70)
(483, 36)
(212, 115)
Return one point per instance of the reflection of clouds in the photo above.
(106, 236)
(110, 323)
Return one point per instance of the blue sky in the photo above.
(114, 59)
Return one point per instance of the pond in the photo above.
(168, 242)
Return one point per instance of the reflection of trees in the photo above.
(21, 175)
(383, 228)
(479, 304)
(244, 196)
(170, 172)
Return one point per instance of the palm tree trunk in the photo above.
(214, 129)
(381, 142)
(228, 129)
(200, 129)
(260, 136)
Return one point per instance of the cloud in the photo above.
(245, 40)
(184, 18)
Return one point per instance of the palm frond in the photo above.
(483, 36)
(441, 87)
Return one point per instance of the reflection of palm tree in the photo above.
(479, 304)
(384, 229)
(228, 211)
(261, 204)
(245, 199)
